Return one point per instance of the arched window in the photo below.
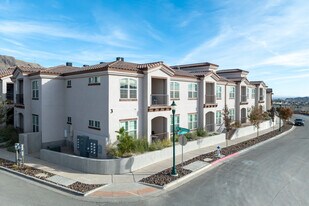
(128, 88)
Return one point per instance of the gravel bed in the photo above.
(162, 178)
(33, 172)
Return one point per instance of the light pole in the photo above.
(174, 172)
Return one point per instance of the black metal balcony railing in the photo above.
(9, 96)
(243, 98)
(19, 98)
(210, 99)
(261, 98)
(159, 136)
(159, 99)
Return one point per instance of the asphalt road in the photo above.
(276, 173)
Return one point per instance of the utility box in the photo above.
(82, 145)
(93, 148)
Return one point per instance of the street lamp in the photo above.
(174, 172)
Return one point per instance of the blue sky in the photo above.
(268, 38)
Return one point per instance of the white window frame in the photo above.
(127, 125)
(174, 91)
(218, 118)
(253, 93)
(35, 123)
(35, 89)
(219, 92)
(248, 93)
(232, 92)
(94, 124)
(192, 90)
(129, 90)
(192, 121)
(69, 83)
(94, 80)
(232, 114)
(177, 122)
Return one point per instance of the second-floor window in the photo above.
(192, 121)
(35, 90)
(253, 93)
(177, 120)
(130, 126)
(219, 92)
(69, 83)
(35, 123)
(192, 91)
(232, 93)
(69, 120)
(218, 117)
(261, 94)
(174, 90)
(248, 92)
(94, 124)
(93, 80)
(128, 88)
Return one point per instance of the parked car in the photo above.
(299, 122)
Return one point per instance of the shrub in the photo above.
(200, 132)
(141, 145)
(9, 134)
(166, 143)
(112, 151)
(191, 136)
(125, 144)
(156, 145)
(236, 124)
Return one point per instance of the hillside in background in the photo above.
(8, 61)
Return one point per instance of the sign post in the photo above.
(182, 141)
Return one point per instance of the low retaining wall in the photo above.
(124, 165)
(32, 142)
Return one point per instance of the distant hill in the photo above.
(297, 99)
(8, 61)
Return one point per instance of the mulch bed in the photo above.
(30, 171)
(162, 178)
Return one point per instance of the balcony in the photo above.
(210, 101)
(159, 102)
(261, 99)
(243, 99)
(19, 100)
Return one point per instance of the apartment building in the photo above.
(66, 104)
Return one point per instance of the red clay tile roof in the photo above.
(178, 72)
(6, 72)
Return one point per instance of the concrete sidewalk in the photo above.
(125, 185)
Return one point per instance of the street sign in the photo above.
(182, 140)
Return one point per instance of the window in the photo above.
(218, 117)
(128, 88)
(253, 94)
(69, 120)
(232, 114)
(177, 120)
(94, 81)
(192, 91)
(35, 123)
(232, 92)
(69, 84)
(94, 124)
(219, 92)
(248, 90)
(35, 90)
(261, 94)
(174, 90)
(192, 121)
(130, 126)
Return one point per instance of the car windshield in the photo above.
(298, 120)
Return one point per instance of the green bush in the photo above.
(166, 143)
(200, 132)
(141, 145)
(9, 134)
(125, 144)
(156, 145)
(191, 136)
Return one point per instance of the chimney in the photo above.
(85, 65)
(119, 59)
(102, 62)
(69, 64)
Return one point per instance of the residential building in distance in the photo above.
(73, 105)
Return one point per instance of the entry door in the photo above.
(210, 121)
(243, 115)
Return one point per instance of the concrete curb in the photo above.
(218, 162)
(50, 184)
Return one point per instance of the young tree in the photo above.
(256, 118)
(285, 113)
(227, 122)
